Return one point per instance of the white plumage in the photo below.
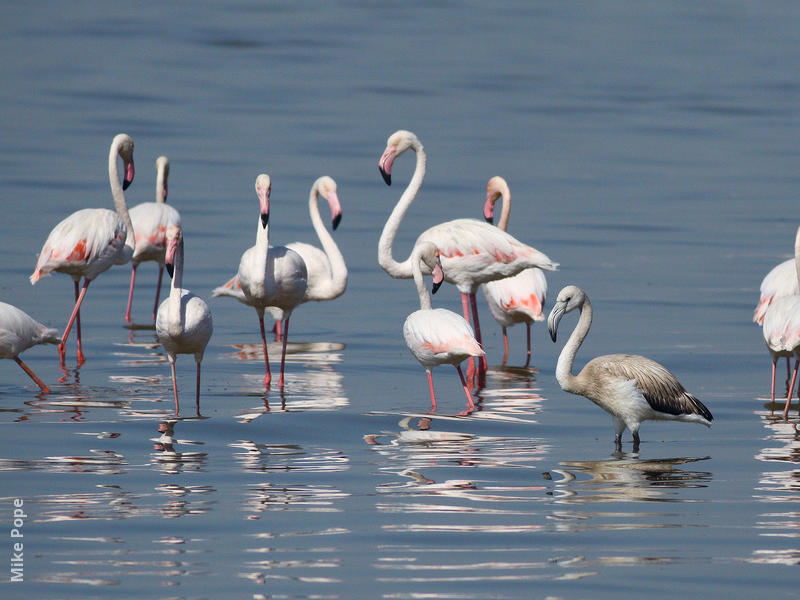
(183, 321)
(150, 223)
(18, 332)
(472, 252)
(91, 240)
(521, 297)
(630, 387)
(437, 336)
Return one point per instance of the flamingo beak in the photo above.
(129, 172)
(488, 210)
(336, 208)
(385, 163)
(553, 319)
(438, 276)
(264, 220)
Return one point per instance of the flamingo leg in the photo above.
(430, 387)
(483, 365)
(470, 360)
(528, 356)
(32, 375)
(130, 295)
(276, 329)
(174, 385)
(791, 387)
(158, 290)
(283, 349)
(772, 387)
(505, 345)
(73, 317)
(470, 402)
(197, 389)
(268, 376)
(788, 371)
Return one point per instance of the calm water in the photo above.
(650, 149)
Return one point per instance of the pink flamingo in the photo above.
(18, 332)
(437, 336)
(519, 298)
(472, 252)
(781, 328)
(150, 222)
(326, 269)
(89, 241)
(183, 321)
(271, 276)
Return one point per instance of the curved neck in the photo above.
(119, 196)
(424, 296)
(566, 359)
(338, 268)
(505, 194)
(385, 258)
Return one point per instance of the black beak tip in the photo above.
(553, 335)
(126, 183)
(336, 220)
(387, 177)
(435, 287)
(170, 269)
(489, 220)
(264, 219)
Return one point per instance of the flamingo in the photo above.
(781, 327)
(150, 222)
(437, 336)
(519, 298)
(271, 276)
(326, 269)
(472, 252)
(89, 241)
(18, 332)
(183, 320)
(631, 388)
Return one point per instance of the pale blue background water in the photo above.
(651, 149)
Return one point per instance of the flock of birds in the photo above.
(468, 253)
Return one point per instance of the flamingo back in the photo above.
(439, 336)
(150, 222)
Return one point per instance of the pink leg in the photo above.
(791, 388)
(276, 329)
(130, 295)
(158, 290)
(528, 357)
(174, 385)
(788, 371)
(32, 375)
(470, 402)
(283, 350)
(268, 376)
(470, 360)
(430, 387)
(772, 388)
(505, 345)
(483, 365)
(73, 317)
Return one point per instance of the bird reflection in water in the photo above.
(170, 461)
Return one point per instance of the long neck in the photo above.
(119, 199)
(161, 181)
(566, 359)
(176, 315)
(262, 248)
(424, 296)
(506, 211)
(177, 274)
(338, 269)
(385, 258)
(797, 255)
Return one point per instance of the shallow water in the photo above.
(651, 151)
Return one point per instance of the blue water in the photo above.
(651, 150)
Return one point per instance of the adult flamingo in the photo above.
(326, 269)
(89, 241)
(781, 328)
(519, 298)
(183, 321)
(18, 332)
(271, 276)
(437, 336)
(631, 388)
(150, 222)
(472, 252)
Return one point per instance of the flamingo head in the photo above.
(327, 189)
(569, 298)
(263, 191)
(162, 174)
(398, 142)
(174, 235)
(123, 146)
(428, 253)
(494, 189)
